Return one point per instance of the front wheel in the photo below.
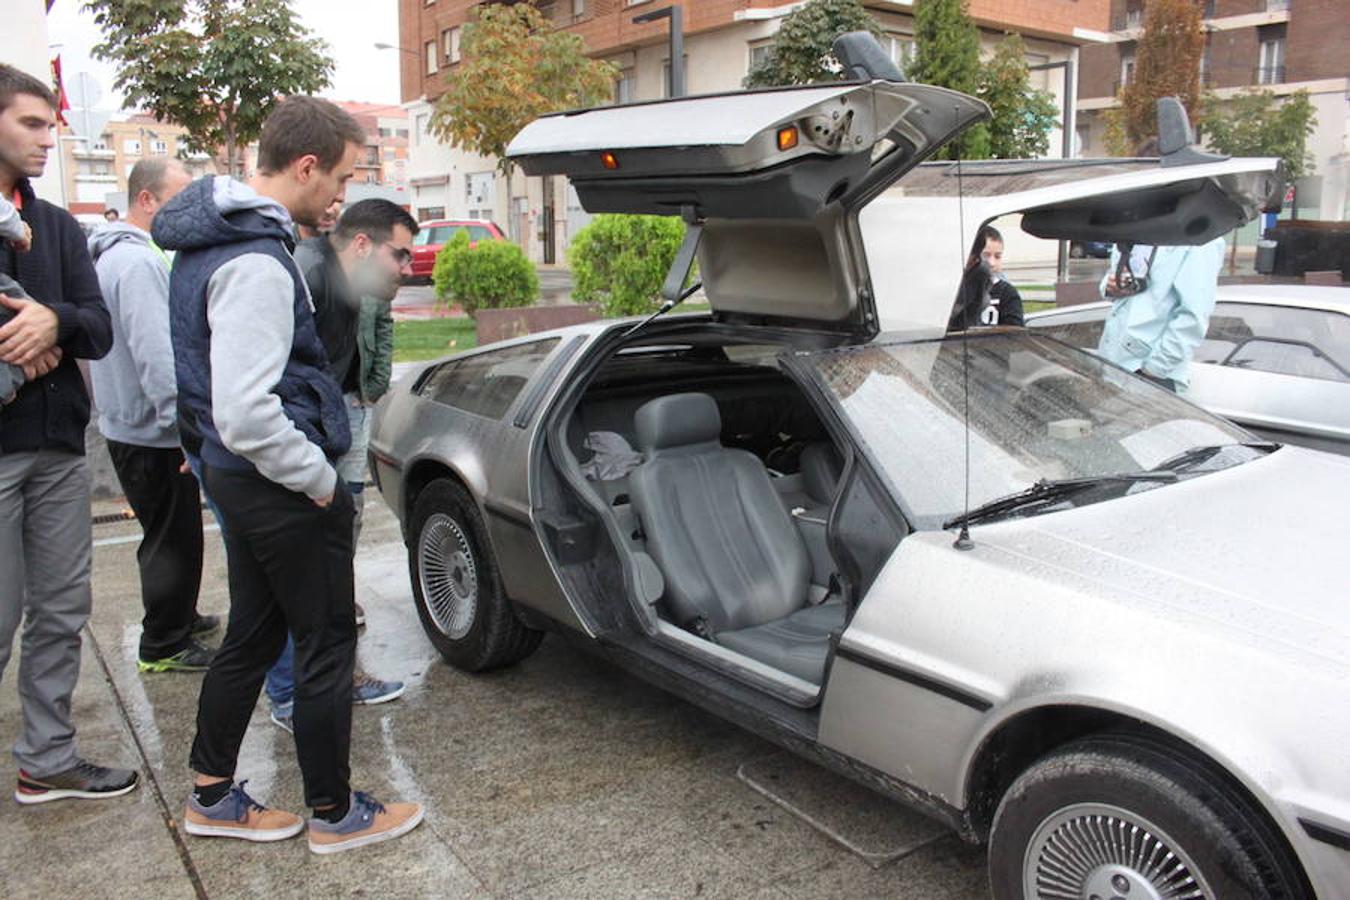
(1121, 818)
(457, 586)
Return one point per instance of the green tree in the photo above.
(1166, 64)
(216, 67)
(1023, 115)
(514, 68)
(803, 48)
(948, 55)
(1255, 123)
(621, 261)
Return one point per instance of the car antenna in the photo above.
(963, 541)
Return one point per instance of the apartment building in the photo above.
(96, 169)
(723, 40)
(1281, 46)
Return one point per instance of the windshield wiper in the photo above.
(1196, 455)
(1047, 490)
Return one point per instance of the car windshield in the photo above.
(1039, 411)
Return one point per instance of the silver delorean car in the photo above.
(990, 575)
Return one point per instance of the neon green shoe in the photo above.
(194, 657)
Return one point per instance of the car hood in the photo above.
(1256, 550)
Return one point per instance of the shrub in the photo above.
(620, 261)
(492, 275)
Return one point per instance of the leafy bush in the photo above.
(492, 275)
(620, 261)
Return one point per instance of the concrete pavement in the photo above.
(560, 777)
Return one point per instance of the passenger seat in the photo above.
(734, 564)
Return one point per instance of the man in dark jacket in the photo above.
(364, 259)
(255, 395)
(45, 538)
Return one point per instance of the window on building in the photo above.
(131, 147)
(635, 2)
(1277, 5)
(425, 213)
(759, 54)
(625, 87)
(546, 9)
(420, 124)
(1126, 65)
(451, 38)
(1134, 14)
(1271, 67)
(900, 48)
(578, 8)
(159, 148)
(431, 57)
(100, 144)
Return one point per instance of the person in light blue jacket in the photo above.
(1157, 321)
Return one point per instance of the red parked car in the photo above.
(435, 234)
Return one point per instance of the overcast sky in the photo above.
(351, 30)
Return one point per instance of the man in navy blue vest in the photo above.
(257, 405)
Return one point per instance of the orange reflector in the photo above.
(609, 160)
(787, 137)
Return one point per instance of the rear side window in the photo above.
(486, 384)
(1309, 343)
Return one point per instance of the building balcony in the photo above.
(81, 151)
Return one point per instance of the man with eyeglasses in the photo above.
(353, 274)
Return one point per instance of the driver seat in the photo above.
(735, 567)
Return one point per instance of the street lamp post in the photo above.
(676, 16)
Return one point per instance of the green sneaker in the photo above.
(194, 657)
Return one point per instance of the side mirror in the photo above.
(1176, 140)
(863, 59)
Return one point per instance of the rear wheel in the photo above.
(457, 586)
(1122, 818)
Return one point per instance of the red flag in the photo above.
(62, 101)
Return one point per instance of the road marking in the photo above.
(132, 538)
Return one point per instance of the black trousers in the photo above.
(168, 505)
(290, 569)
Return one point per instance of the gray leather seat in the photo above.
(730, 553)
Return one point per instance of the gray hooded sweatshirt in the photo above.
(134, 385)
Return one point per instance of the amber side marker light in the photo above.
(609, 160)
(787, 137)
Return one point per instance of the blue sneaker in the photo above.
(238, 815)
(367, 691)
(367, 822)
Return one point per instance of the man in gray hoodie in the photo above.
(137, 396)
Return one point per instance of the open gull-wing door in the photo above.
(769, 181)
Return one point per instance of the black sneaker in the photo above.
(204, 625)
(194, 657)
(84, 780)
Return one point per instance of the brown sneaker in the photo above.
(367, 822)
(240, 816)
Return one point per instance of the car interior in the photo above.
(719, 476)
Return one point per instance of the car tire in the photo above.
(457, 586)
(1067, 808)
(1077, 251)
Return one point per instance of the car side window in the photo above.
(479, 233)
(487, 383)
(1308, 343)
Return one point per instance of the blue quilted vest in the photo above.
(205, 241)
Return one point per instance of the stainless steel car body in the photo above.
(1111, 607)
(1310, 411)
(1226, 584)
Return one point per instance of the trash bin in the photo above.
(1265, 256)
